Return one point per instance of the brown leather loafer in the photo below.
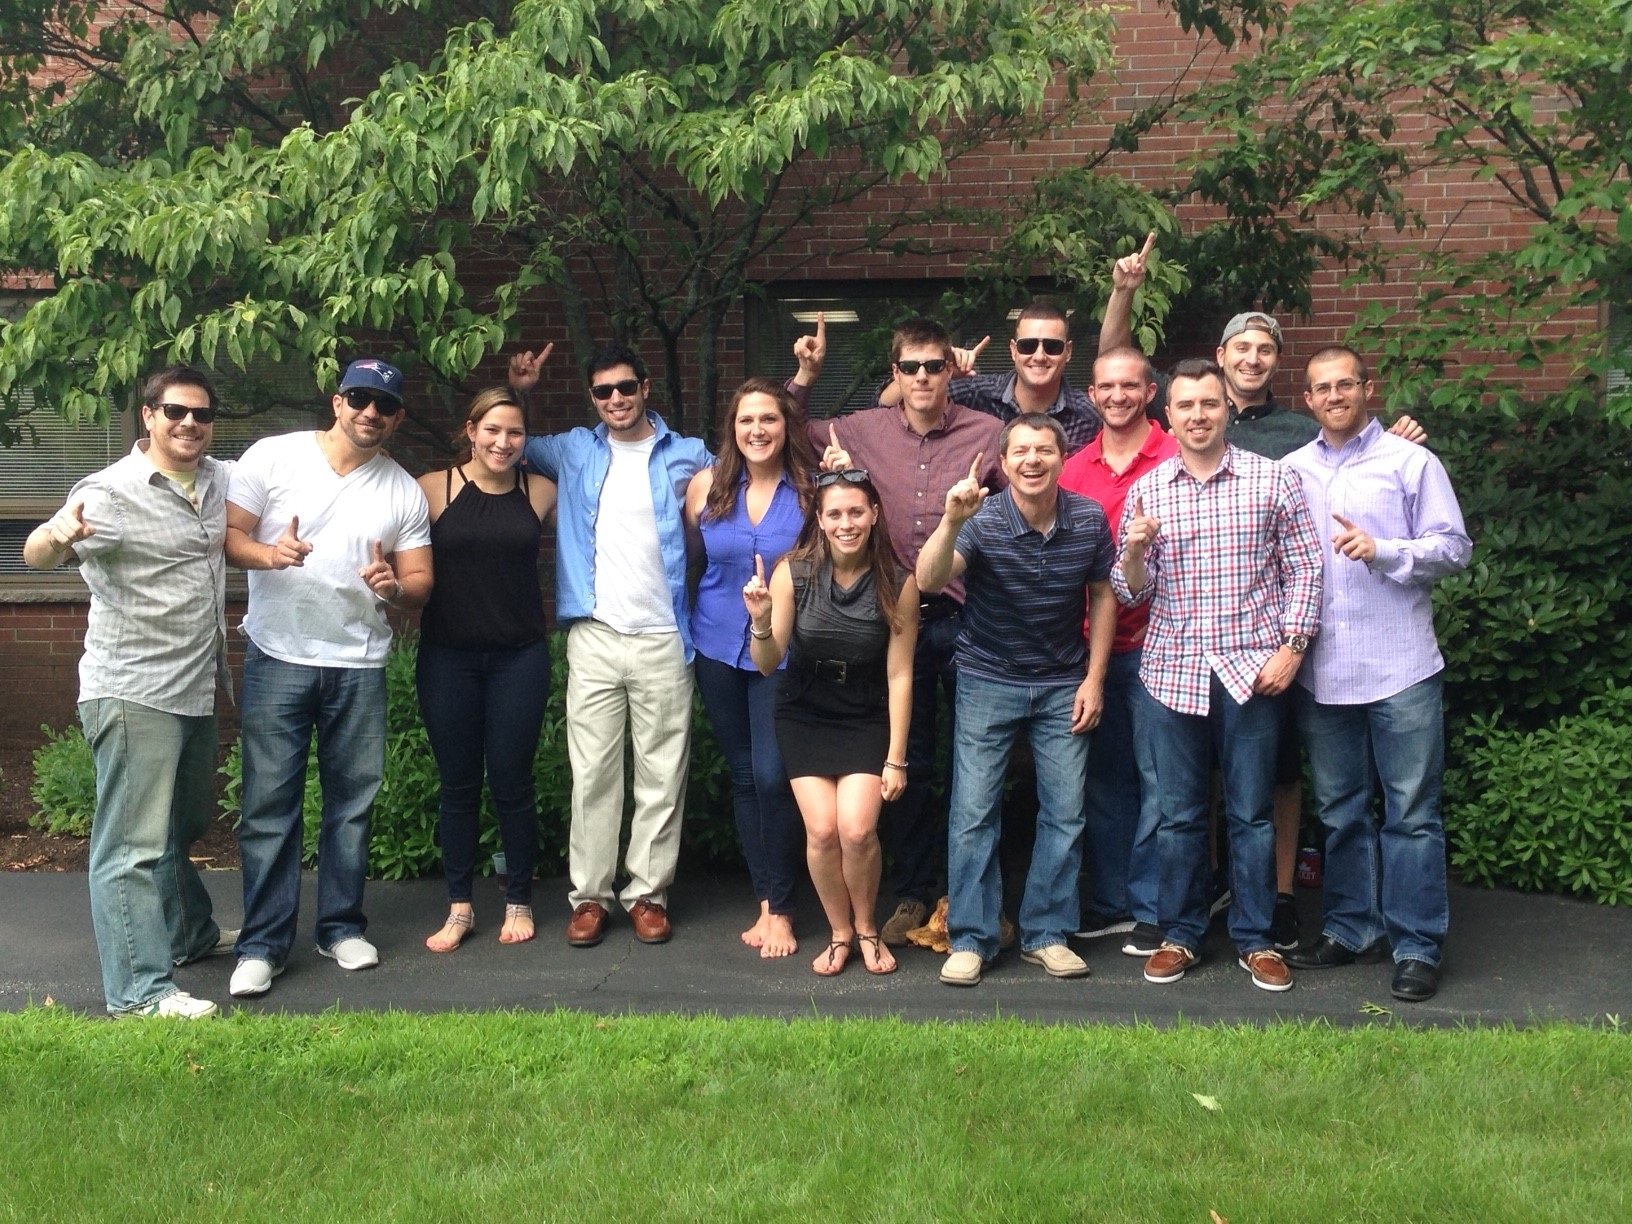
(651, 922)
(587, 926)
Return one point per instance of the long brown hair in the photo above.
(798, 455)
(483, 403)
(881, 555)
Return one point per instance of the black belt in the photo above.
(937, 607)
(841, 671)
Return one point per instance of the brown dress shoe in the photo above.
(651, 922)
(587, 926)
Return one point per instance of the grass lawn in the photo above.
(578, 1117)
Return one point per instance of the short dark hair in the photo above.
(176, 376)
(1121, 351)
(1040, 421)
(1197, 367)
(1331, 353)
(916, 332)
(609, 355)
(1045, 309)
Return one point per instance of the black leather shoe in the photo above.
(1327, 953)
(1415, 981)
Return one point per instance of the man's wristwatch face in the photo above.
(1297, 643)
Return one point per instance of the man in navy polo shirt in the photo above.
(1032, 559)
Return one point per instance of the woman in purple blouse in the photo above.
(751, 502)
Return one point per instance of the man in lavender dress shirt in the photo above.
(1371, 691)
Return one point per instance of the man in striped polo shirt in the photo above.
(1032, 559)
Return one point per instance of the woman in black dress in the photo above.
(841, 609)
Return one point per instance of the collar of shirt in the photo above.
(1057, 408)
(1226, 466)
(1254, 411)
(1155, 446)
(1353, 448)
(1016, 521)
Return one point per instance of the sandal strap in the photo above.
(456, 918)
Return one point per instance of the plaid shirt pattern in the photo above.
(1235, 568)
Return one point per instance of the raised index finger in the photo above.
(759, 567)
(1346, 525)
(821, 327)
(1150, 245)
(984, 341)
(833, 436)
(1138, 507)
(974, 468)
(379, 552)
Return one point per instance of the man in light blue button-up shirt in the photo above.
(621, 594)
(1371, 691)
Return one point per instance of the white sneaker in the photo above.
(177, 1006)
(963, 969)
(224, 943)
(253, 976)
(1058, 961)
(353, 952)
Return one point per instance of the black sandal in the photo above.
(832, 950)
(878, 947)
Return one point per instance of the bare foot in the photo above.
(518, 924)
(779, 940)
(833, 959)
(875, 954)
(461, 924)
(754, 936)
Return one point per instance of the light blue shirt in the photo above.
(578, 461)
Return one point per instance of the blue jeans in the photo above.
(483, 710)
(911, 828)
(1245, 737)
(282, 704)
(989, 716)
(741, 708)
(1121, 864)
(1389, 881)
(155, 776)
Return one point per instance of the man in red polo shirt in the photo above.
(1121, 867)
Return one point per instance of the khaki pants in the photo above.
(641, 680)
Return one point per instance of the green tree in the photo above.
(291, 179)
(1347, 102)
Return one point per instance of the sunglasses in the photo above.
(357, 400)
(1052, 345)
(625, 387)
(854, 476)
(178, 412)
(910, 368)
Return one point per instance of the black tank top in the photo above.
(484, 550)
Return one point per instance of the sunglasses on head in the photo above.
(357, 399)
(910, 368)
(178, 412)
(624, 387)
(848, 475)
(1052, 345)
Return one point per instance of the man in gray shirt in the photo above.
(148, 532)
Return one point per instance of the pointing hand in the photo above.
(289, 549)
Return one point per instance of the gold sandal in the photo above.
(464, 922)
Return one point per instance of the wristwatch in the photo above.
(1297, 643)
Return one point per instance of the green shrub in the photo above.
(1542, 619)
(402, 843)
(1544, 809)
(64, 790)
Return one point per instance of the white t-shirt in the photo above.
(631, 589)
(322, 613)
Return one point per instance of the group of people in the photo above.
(1149, 595)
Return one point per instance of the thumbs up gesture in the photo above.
(379, 575)
(756, 597)
(965, 497)
(68, 526)
(289, 549)
(1142, 530)
(1353, 543)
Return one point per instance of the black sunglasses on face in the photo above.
(357, 400)
(848, 475)
(1052, 345)
(625, 387)
(178, 412)
(910, 368)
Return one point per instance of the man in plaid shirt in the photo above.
(1219, 542)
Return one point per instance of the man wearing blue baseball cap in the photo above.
(334, 534)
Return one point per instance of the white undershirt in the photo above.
(631, 589)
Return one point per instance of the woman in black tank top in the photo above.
(484, 659)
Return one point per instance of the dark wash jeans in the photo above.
(483, 710)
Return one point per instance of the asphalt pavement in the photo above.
(1511, 958)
